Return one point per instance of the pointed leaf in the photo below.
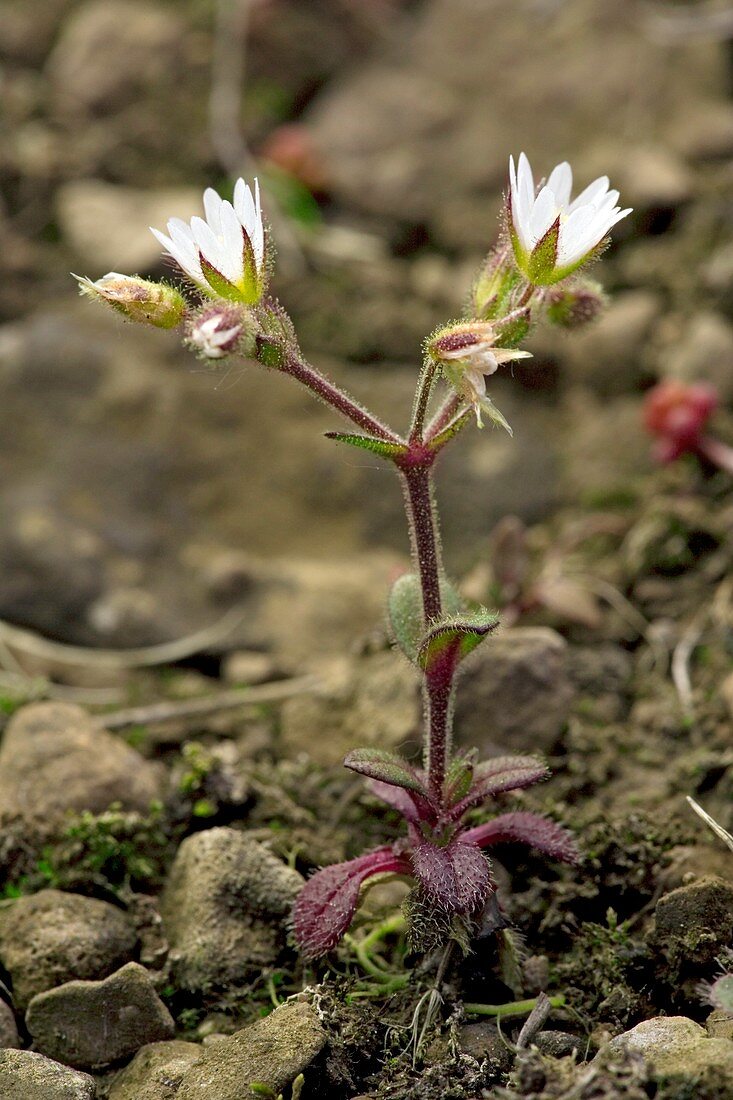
(385, 766)
(452, 429)
(527, 828)
(503, 773)
(406, 611)
(457, 876)
(459, 777)
(457, 636)
(382, 447)
(326, 905)
(410, 806)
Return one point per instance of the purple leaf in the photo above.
(504, 773)
(413, 808)
(457, 875)
(326, 905)
(526, 828)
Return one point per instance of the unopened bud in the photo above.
(137, 299)
(493, 287)
(219, 330)
(467, 352)
(575, 306)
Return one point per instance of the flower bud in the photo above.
(137, 299)
(492, 290)
(575, 306)
(221, 329)
(677, 414)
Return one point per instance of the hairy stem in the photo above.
(422, 398)
(329, 392)
(426, 554)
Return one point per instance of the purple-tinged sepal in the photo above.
(221, 329)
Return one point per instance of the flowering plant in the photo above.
(547, 238)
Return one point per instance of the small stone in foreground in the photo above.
(28, 1076)
(9, 1037)
(92, 1024)
(271, 1052)
(53, 937)
(677, 1047)
(155, 1072)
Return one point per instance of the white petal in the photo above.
(592, 193)
(575, 232)
(505, 355)
(544, 213)
(212, 208)
(233, 250)
(561, 183)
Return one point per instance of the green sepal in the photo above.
(218, 283)
(496, 416)
(458, 635)
(406, 611)
(386, 767)
(381, 447)
(542, 265)
(512, 333)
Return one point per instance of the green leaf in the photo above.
(385, 766)
(458, 635)
(451, 430)
(459, 777)
(381, 447)
(406, 611)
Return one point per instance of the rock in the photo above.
(9, 1037)
(224, 909)
(607, 355)
(481, 1039)
(605, 447)
(155, 1072)
(719, 1024)
(693, 923)
(443, 131)
(123, 48)
(650, 178)
(107, 224)
(93, 1024)
(559, 1044)
(25, 1075)
(362, 701)
(515, 694)
(50, 938)
(54, 758)
(271, 1052)
(701, 351)
(249, 667)
(677, 1047)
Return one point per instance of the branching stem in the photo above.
(329, 392)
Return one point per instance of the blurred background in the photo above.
(142, 493)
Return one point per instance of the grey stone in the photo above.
(9, 1037)
(93, 1024)
(51, 937)
(155, 1072)
(608, 354)
(54, 758)
(25, 1075)
(271, 1052)
(371, 700)
(677, 1047)
(515, 693)
(224, 908)
(693, 923)
(700, 349)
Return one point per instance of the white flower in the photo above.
(552, 235)
(225, 254)
(467, 354)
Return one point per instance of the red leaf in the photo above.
(326, 905)
(457, 876)
(526, 828)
